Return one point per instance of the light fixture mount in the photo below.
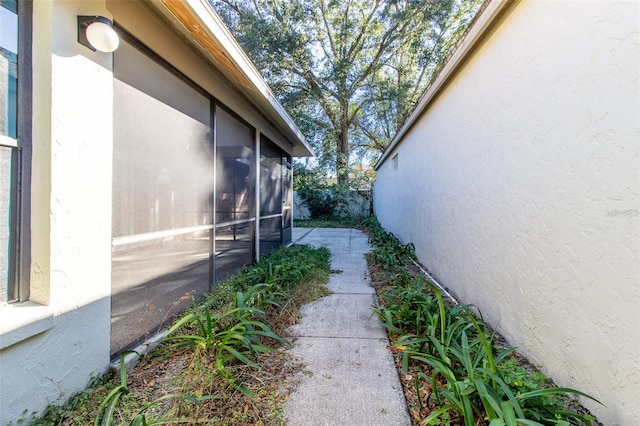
(97, 33)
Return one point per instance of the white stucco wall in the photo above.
(51, 345)
(520, 184)
(46, 361)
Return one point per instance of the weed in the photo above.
(106, 415)
(233, 334)
(452, 357)
(295, 276)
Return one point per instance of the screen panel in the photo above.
(162, 195)
(235, 194)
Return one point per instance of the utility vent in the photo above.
(394, 160)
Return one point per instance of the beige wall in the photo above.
(520, 188)
(52, 345)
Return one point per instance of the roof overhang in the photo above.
(201, 26)
(481, 28)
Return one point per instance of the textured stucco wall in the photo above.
(519, 187)
(71, 217)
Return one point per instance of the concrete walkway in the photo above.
(349, 376)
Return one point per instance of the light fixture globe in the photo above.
(102, 37)
(97, 33)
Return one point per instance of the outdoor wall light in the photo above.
(97, 33)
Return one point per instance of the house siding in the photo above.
(52, 344)
(519, 187)
(70, 220)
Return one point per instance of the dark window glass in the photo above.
(270, 178)
(270, 234)
(163, 156)
(8, 67)
(235, 162)
(287, 199)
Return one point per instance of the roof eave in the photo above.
(197, 20)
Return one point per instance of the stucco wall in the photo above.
(519, 186)
(52, 345)
(71, 221)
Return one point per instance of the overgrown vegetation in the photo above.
(333, 201)
(327, 222)
(349, 72)
(221, 363)
(454, 368)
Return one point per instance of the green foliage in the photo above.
(231, 323)
(233, 334)
(329, 222)
(106, 415)
(321, 204)
(307, 177)
(231, 330)
(328, 201)
(349, 72)
(388, 250)
(282, 268)
(453, 351)
(467, 371)
(229, 326)
(311, 185)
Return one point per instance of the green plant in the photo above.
(106, 415)
(452, 352)
(180, 374)
(232, 334)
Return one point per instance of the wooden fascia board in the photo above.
(205, 29)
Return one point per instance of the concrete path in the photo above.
(349, 376)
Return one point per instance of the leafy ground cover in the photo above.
(454, 368)
(327, 222)
(223, 362)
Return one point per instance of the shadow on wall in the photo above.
(59, 361)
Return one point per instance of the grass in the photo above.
(327, 222)
(223, 361)
(451, 364)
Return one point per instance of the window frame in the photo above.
(20, 224)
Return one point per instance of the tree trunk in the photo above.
(342, 155)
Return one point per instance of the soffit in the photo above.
(198, 23)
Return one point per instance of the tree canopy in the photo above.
(348, 71)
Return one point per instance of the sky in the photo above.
(8, 30)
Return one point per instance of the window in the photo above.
(276, 195)
(14, 138)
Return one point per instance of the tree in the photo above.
(348, 71)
